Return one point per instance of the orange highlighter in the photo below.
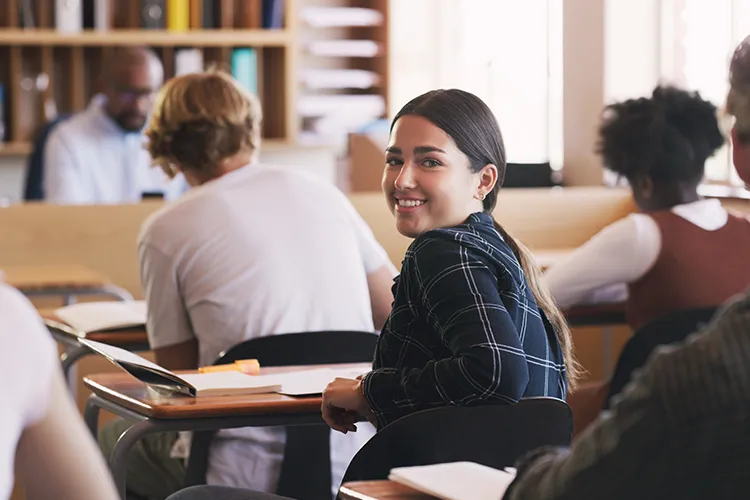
(247, 366)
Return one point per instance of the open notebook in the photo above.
(299, 383)
(456, 481)
(102, 316)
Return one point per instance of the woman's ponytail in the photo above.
(546, 304)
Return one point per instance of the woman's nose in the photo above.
(406, 178)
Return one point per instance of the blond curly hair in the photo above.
(200, 120)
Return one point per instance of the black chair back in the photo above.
(34, 183)
(492, 435)
(674, 327)
(306, 469)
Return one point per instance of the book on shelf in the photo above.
(250, 14)
(69, 16)
(178, 15)
(97, 15)
(456, 480)
(88, 317)
(230, 382)
(188, 61)
(340, 17)
(102, 15)
(26, 14)
(206, 15)
(152, 14)
(273, 14)
(245, 68)
(343, 48)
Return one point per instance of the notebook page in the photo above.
(315, 380)
(97, 316)
(455, 481)
(230, 380)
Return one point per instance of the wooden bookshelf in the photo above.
(368, 23)
(46, 71)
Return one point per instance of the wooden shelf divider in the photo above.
(158, 38)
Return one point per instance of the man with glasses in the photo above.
(97, 156)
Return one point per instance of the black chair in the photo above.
(530, 175)
(34, 184)
(492, 435)
(306, 469)
(674, 327)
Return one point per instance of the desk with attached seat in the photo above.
(152, 412)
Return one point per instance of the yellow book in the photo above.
(178, 15)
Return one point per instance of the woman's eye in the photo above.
(393, 162)
(430, 163)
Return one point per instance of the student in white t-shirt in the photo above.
(42, 436)
(660, 145)
(249, 251)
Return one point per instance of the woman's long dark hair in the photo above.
(474, 129)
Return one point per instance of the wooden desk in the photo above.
(151, 412)
(380, 490)
(64, 280)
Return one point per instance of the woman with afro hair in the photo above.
(681, 251)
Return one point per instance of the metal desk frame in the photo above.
(143, 425)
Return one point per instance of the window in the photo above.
(506, 52)
(698, 38)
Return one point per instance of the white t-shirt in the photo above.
(259, 251)
(25, 375)
(621, 253)
(89, 159)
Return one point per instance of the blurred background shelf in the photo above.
(328, 56)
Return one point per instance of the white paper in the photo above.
(97, 316)
(314, 381)
(455, 481)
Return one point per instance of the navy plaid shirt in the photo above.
(464, 329)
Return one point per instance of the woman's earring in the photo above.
(479, 196)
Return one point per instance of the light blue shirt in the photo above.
(89, 159)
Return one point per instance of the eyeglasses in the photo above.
(134, 95)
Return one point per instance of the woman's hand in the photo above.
(344, 404)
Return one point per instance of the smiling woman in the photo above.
(470, 324)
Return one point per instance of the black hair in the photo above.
(668, 136)
(475, 131)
